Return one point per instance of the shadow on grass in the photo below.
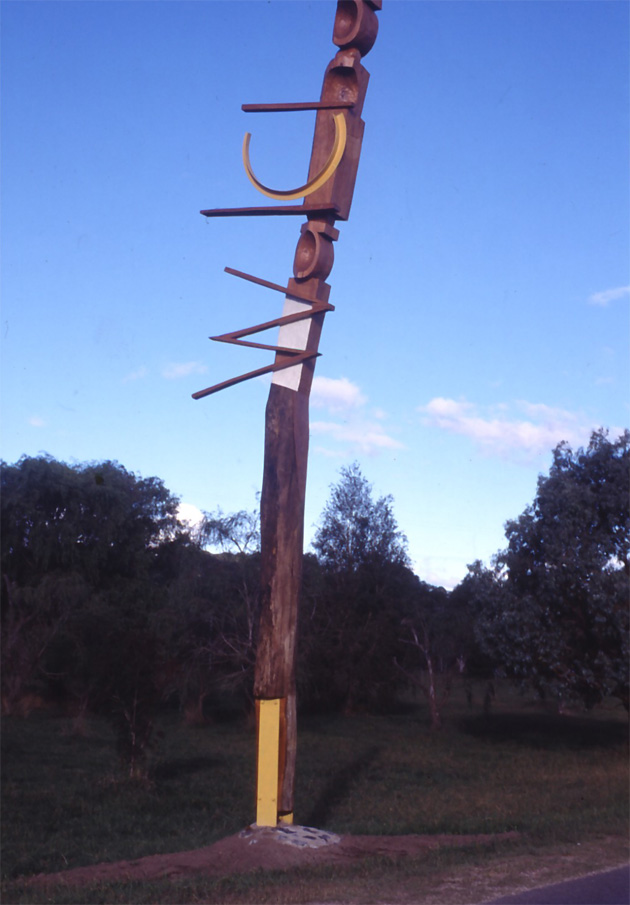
(546, 731)
(338, 786)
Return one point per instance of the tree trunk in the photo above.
(434, 704)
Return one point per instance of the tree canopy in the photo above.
(110, 603)
(80, 585)
(95, 518)
(556, 612)
(352, 631)
(355, 529)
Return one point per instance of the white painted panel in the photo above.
(292, 336)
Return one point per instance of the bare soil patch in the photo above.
(258, 848)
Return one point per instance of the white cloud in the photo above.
(36, 421)
(337, 395)
(523, 430)
(175, 371)
(191, 518)
(190, 515)
(546, 413)
(350, 430)
(447, 409)
(603, 299)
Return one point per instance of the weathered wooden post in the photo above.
(327, 196)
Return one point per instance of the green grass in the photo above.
(556, 779)
(66, 803)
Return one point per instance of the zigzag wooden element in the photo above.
(234, 337)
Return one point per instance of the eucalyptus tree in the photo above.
(357, 531)
(353, 626)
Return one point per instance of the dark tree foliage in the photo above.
(213, 609)
(238, 536)
(109, 604)
(463, 609)
(234, 532)
(555, 610)
(96, 519)
(350, 637)
(436, 643)
(213, 614)
(81, 546)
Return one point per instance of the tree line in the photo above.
(111, 605)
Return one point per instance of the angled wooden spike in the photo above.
(234, 336)
(291, 293)
(268, 369)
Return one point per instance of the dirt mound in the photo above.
(265, 848)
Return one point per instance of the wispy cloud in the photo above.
(175, 371)
(363, 436)
(36, 421)
(138, 374)
(603, 299)
(337, 395)
(351, 429)
(440, 571)
(521, 430)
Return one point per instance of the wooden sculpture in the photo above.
(327, 196)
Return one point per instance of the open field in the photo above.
(560, 781)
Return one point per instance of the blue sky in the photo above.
(480, 284)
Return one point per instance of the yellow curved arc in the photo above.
(339, 146)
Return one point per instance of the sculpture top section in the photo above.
(356, 24)
(326, 198)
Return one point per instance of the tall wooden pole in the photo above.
(327, 199)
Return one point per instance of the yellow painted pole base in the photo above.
(268, 762)
(285, 819)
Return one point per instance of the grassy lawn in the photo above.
(559, 780)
